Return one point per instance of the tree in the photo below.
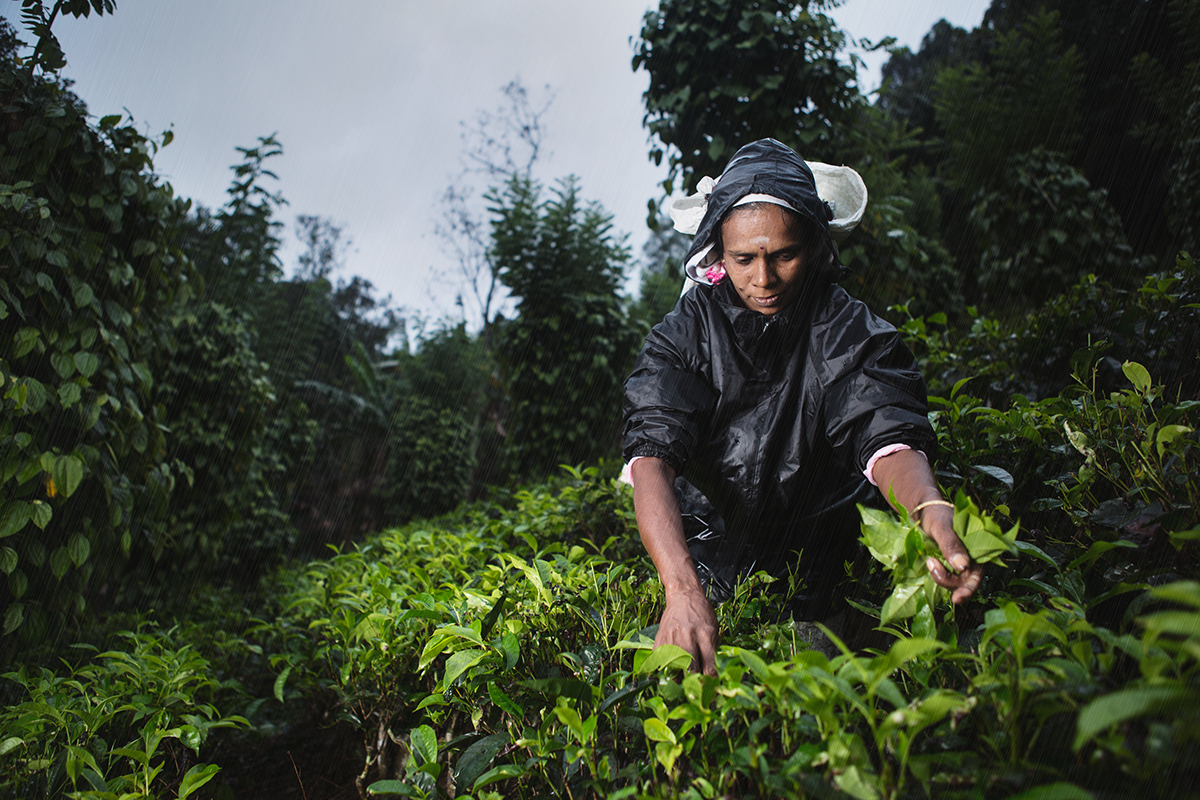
(1110, 38)
(565, 356)
(89, 237)
(1027, 95)
(497, 146)
(237, 248)
(47, 52)
(324, 247)
(726, 72)
(1171, 83)
(907, 94)
(1043, 229)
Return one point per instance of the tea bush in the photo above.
(126, 723)
(511, 656)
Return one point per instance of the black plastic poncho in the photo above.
(773, 418)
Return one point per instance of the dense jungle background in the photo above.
(268, 536)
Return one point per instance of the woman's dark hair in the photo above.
(809, 234)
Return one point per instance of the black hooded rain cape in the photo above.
(770, 420)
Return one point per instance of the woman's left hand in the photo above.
(906, 473)
(938, 524)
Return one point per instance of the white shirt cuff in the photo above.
(886, 450)
(626, 473)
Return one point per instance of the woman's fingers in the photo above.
(688, 622)
(962, 584)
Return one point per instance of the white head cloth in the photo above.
(841, 188)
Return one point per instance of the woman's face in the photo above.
(765, 256)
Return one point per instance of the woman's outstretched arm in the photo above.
(907, 474)
(688, 619)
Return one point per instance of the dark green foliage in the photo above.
(47, 52)
(89, 236)
(564, 372)
(1042, 230)
(1112, 38)
(895, 253)
(662, 274)
(908, 80)
(226, 519)
(723, 74)
(431, 458)
(115, 723)
(564, 358)
(237, 248)
(1026, 95)
(1170, 81)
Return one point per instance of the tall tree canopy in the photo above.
(723, 74)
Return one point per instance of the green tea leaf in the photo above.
(496, 774)
(1186, 592)
(1138, 375)
(999, 473)
(656, 730)
(503, 700)
(1112, 709)
(1054, 791)
(1180, 623)
(281, 681)
(854, 783)
(383, 788)
(459, 663)
(478, 758)
(902, 603)
(424, 744)
(196, 777)
(665, 657)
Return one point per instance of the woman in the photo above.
(781, 400)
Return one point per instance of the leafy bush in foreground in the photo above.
(108, 728)
(512, 657)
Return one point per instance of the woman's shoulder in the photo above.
(845, 332)
(840, 314)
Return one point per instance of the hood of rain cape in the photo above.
(772, 168)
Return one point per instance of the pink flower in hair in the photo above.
(715, 273)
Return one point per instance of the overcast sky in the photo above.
(366, 97)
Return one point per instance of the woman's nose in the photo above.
(763, 274)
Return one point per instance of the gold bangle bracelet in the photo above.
(929, 503)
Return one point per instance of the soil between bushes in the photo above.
(309, 761)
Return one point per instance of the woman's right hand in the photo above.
(688, 621)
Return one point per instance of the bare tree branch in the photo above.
(497, 145)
